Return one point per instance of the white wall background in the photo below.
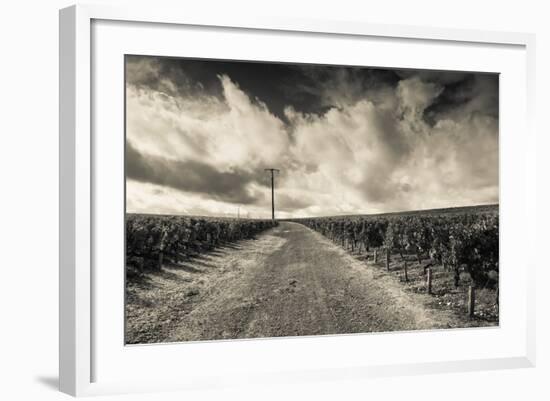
(29, 200)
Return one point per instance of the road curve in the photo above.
(290, 281)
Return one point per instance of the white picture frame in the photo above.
(81, 346)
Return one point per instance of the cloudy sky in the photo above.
(347, 140)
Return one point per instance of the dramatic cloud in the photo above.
(189, 175)
(347, 140)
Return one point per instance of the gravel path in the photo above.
(290, 281)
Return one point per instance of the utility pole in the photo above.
(272, 170)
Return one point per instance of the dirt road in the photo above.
(289, 281)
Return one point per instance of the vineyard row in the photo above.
(459, 242)
(152, 240)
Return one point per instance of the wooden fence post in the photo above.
(375, 256)
(471, 301)
(387, 258)
(429, 280)
(161, 257)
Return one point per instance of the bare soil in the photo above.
(289, 281)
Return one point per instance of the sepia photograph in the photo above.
(272, 199)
